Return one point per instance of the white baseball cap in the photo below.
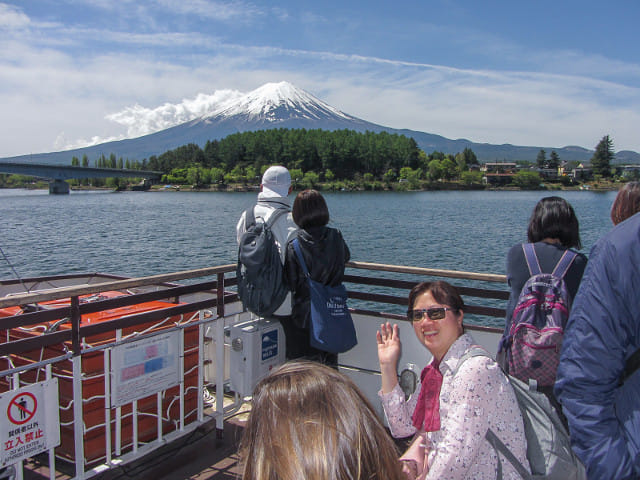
(276, 181)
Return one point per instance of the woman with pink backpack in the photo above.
(543, 275)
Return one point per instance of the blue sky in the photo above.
(546, 73)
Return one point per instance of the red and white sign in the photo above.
(144, 367)
(28, 424)
(22, 408)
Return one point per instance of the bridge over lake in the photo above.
(57, 174)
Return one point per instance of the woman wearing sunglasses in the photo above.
(456, 402)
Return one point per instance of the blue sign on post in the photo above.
(269, 344)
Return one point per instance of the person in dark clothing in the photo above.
(553, 228)
(325, 253)
(598, 391)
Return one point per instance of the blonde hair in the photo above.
(310, 422)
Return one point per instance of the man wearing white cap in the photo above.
(274, 189)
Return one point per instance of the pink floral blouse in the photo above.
(479, 397)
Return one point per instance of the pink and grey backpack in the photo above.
(538, 322)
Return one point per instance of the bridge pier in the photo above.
(58, 187)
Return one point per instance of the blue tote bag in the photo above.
(332, 328)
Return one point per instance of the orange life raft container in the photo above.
(93, 378)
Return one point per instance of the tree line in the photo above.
(311, 156)
(110, 162)
(344, 152)
(341, 158)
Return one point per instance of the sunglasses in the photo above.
(434, 313)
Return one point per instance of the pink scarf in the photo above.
(427, 413)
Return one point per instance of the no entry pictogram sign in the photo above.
(30, 425)
(22, 408)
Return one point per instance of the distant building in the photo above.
(498, 173)
(581, 173)
(550, 174)
(631, 172)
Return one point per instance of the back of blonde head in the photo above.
(310, 422)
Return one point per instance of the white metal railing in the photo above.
(172, 415)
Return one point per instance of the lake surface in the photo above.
(148, 233)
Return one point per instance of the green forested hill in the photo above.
(344, 152)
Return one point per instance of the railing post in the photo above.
(220, 295)
(75, 325)
(78, 415)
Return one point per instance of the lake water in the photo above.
(147, 233)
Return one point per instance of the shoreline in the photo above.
(396, 187)
(611, 188)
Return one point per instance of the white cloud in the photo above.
(141, 121)
(215, 10)
(161, 79)
(12, 17)
(495, 107)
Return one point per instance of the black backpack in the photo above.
(261, 281)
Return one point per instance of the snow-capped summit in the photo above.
(273, 102)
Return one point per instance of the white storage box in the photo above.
(257, 347)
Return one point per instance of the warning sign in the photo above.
(28, 426)
(22, 408)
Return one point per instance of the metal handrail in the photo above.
(67, 292)
(218, 296)
(432, 272)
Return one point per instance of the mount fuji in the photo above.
(282, 105)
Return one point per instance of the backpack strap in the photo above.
(474, 351)
(500, 447)
(490, 436)
(531, 258)
(296, 247)
(564, 263)
(250, 218)
(276, 215)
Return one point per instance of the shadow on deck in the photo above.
(199, 455)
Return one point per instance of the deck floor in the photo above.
(199, 455)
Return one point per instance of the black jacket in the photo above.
(325, 253)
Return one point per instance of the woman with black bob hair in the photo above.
(552, 233)
(325, 253)
(553, 229)
(554, 221)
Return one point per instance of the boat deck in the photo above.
(190, 447)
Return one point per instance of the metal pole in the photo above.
(78, 418)
(220, 377)
(107, 404)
